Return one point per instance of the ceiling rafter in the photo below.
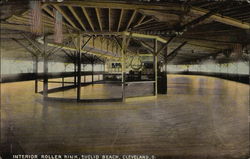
(109, 18)
(77, 17)
(25, 20)
(34, 53)
(92, 52)
(243, 16)
(144, 22)
(47, 10)
(120, 20)
(131, 19)
(153, 26)
(59, 9)
(115, 5)
(220, 18)
(88, 18)
(98, 17)
(193, 10)
(171, 55)
(141, 19)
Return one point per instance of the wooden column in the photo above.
(92, 76)
(166, 74)
(103, 71)
(123, 67)
(62, 81)
(83, 70)
(45, 76)
(166, 69)
(79, 68)
(35, 70)
(75, 70)
(45, 70)
(155, 67)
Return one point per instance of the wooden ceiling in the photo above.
(205, 37)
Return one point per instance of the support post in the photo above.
(62, 81)
(166, 70)
(155, 67)
(75, 63)
(84, 75)
(92, 72)
(35, 70)
(79, 68)
(123, 67)
(45, 70)
(45, 75)
(103, 71)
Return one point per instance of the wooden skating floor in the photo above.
(200, 116)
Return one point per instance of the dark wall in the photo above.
(33, 76)
(233, 77)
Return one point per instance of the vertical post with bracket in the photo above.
(155, 67)
(35, 70)
(123, 66)
(78, 68)
(45, 70)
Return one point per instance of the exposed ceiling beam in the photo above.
(34, 53)
(144, 22)
(26, 20)
(34, 44)
(88, 18)
(246, 19)
(171, 55)
(45, 8)
(153, 26)
(144, 44)
(115, 5)
(138, 35)
(209, 4)
(131, 19)
(242, 17)
(19, 27)
(241, 14)
(120, 20)
(141, 19)
(84, 51)
(234, 9)
(98, 17)
(201, 18)
(65, 16)
(77, 17)
(211, 40)
(109, 19)
(193, 10)
(221, 19)
(165, 45)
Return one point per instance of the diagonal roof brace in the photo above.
(222, 19)
(171, 55)
(204, 17)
